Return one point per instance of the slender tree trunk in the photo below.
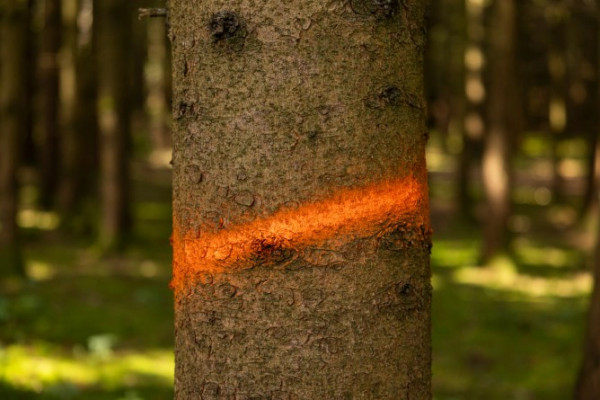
(584, 94)
(51, 41)
(79, 161)
(156, 97)
(28, 152)
(301, 228)
(67, 194)
(474, 93)
(588, 380)
(114, 19)
(13, 18)
(557, 112)
(502, 115)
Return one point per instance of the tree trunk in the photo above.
(588, 381)
(79, 161)
(557, 110)
(474, 90)
(13, 16)
(301, 229)
(28, 151)
(502, 115)
(113, 18)
(582, 34)
(51, 40)
(156, 98)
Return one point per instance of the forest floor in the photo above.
(90, 327)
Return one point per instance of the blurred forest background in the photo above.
(85, 214)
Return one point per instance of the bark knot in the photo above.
(227, 27)
(380, 9)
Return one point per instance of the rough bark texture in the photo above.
(114, 20)
(502, 115)
(301, 234)
(12, 82)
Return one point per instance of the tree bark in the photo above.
(301, 229)
(502, 115)
(13, 70)
(114, 19)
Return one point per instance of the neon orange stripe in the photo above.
(349, 214)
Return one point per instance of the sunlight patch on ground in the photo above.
(453, 253)
(39, 270)
(43, 220)
(502, 276)
(43, 369)
(546, 256)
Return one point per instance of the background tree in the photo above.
(50, 72)
(588, 380)
(301, 234)
(503, 119)
(114, 28)
(79, 164)
(13, 14)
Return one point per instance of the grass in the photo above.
(91, 327)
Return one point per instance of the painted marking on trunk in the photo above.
(349, 214)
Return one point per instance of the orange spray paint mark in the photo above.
(349, 214)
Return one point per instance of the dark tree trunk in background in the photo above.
(28, 152)
(79, 161)
(557, 111)
(445, 70)
(155, 73)
(502, 118)
(588, 381)
(114, 29)
(50, 145)
(13, 19)
(301, 228)
(474, 90)
(584, 94)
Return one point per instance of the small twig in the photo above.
(152, 13)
